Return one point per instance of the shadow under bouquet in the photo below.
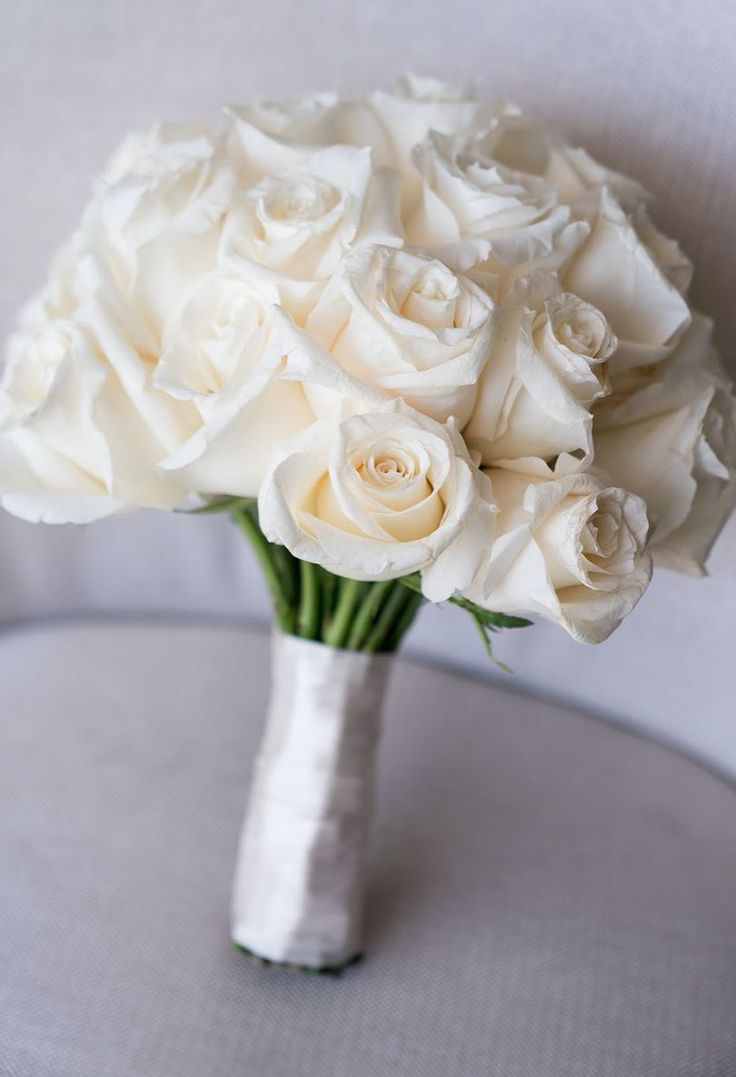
(419, 349)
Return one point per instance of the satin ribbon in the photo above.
(298, 891)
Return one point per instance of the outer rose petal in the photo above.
(615, 271)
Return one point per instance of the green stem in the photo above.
(388, 617)
(329, 591)
(309, 603)
(367, 613)
(412, 604)
(483, 633)
(283, 610)
(289, 573)
(349, 595)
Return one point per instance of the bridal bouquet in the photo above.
(419, 348)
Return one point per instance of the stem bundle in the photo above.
(311, 603)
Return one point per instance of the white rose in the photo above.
(221, 354)
(476, 212)
(408, 325)
(294, 228)
(268, 137)
(157, 214)
(121, 344)
(307, 118)
(546, 368)
(571, 551)
(418, 106)
(84, 287)
(615, 270)
(674, 443)
(130, 345)
(72, 448)
(379, 496)
(519, 141)
(204, 344)
(579, 179)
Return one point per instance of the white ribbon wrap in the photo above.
(299, 882)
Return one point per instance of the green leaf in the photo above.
(486, 621)
(490, 618)
(505, 620)
(484, 631)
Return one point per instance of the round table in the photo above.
(549, 896)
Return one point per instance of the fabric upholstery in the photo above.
(549, 896)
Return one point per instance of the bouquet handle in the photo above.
(298, 890)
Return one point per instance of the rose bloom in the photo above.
(410, 326)
(150, 233)
(223, 354)
(616, 271)
(572, 551)
(379, 496)
(268, 137)
(519, 141)
(417, 107)
(156, 216)
(673, 442)
(476, 213)
(547, 367)
(73, 448)
(294, 227)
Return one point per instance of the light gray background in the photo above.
(648, 88)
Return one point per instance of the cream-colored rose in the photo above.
(72, 447)
(268, 137)
(421, 105)
(221, 353)
(381, 495)
(307, 120)
(130, 345)
(408, 325)
(579, 179)
(156, 216)
(476, 213)
(572, 551)
(616, 271)
(204, 344)
(673, 442)
(294, 228)
(139, 424)
(519, 141)
(546, 369)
